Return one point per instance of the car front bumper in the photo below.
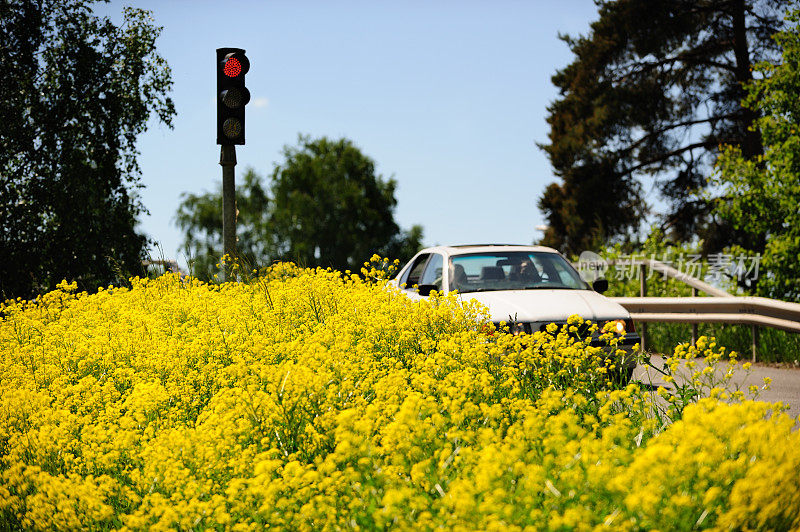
(628, 343)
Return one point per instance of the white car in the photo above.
(527, 287)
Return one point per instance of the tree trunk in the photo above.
(751, 144)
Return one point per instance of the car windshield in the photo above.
(512, 270)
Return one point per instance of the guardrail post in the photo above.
(643, 293)
(694, 325)
(755, 340)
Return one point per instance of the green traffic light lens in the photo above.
(232, 128)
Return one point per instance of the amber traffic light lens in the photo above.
(232, 98)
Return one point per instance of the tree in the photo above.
(654, 89)
(331, 209)
(200, 219)
(77, 90)
(761, 194)
(325, 207)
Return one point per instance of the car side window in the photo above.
(413, 274)
(433, 272)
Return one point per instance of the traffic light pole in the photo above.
(227, 159)
(231, 66)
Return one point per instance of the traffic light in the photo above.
(232, 95)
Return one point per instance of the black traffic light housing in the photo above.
(232, 95)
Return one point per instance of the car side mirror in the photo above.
(426, 289)
(600, 285)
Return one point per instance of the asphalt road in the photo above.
(785, 386)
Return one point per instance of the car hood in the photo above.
(547, 305)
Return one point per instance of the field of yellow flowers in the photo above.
(310, 399)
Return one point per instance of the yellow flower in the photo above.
(307, 399)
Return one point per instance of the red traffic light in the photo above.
(234, 65)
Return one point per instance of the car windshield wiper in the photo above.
(510, 289)
(548, 287)
(484, 290)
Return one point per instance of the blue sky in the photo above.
(448, 98)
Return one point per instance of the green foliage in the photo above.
(654, 88)
(200, 219)
(331, 208)
(772, 345)
(762, 194)
(624, 280)
(324, 206)
(76, 93)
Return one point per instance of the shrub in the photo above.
(309, 399)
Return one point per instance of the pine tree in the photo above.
(655, 88)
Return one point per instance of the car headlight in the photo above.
(617, 326)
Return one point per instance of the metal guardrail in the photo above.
(754, 311)
(672, 273)
(744, 310)
(722, 307)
